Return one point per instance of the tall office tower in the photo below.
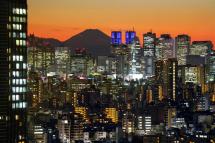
(135, 66)
(129, 36)
(182, 48)
(211, 68)
(201, 48)
(13, 70)
(165, 47)
(118, 61)
(116, 38)
(149, 42)
(166, 75)
(149, 53)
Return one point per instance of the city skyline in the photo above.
(65, 19)
(132, 72)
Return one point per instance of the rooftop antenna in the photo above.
(151, 30)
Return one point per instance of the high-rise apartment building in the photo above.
(13, 70)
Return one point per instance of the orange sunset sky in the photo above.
(62, 19)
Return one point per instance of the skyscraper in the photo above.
(182, 47)
(135, 67)
(130, 36)
(13, 70)
(166, 75)
(211, 67)
(165, 47)
(149, 40)
(201, 48)
(116, 38)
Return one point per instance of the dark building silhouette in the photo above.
(166, 75)
(13, 70)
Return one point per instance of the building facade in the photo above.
(13, 71)
(182, 46)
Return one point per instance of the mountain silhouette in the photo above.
(94, 41)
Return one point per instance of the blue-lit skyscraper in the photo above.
(116, 37)
(129, 36)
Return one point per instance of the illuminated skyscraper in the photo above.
(135, 67)
(129, 36)
(165, 47)
(13, 70)
(41, 55)
(211, 67)
(149, 40)
(116, 38)
(166, 75)
(182, 47)
(201, 48)
(149, 53)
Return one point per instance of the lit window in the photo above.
(24, 104)
(17, 43)
(24, 81)
(17, 89)
(14, 34)
(17, 97)
(13, 106)
(20, 104)
(24, 65)
(20, 58)
(24, 11)
(14, 89)
(13, 97)
(23, 42)
(8, 26)
(17, 73)
(21, 11)
(17, 11)
(17, 81)
(14, 10)
(14, 81)
(17, 66)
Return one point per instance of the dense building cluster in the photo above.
(161, 91)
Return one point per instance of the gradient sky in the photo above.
(63, 18)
